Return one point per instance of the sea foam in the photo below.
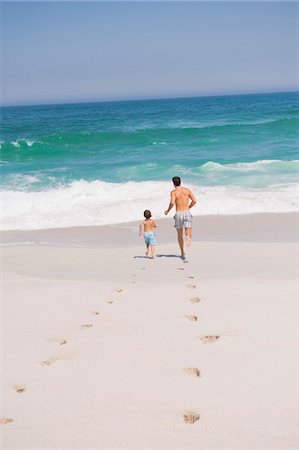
(85, 203)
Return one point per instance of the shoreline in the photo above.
(259, 227)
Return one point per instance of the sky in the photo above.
(55, 52)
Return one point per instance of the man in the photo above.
(180, 197)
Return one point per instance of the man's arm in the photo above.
(171, 203)
(192, 198)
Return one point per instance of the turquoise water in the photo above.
(224, 147)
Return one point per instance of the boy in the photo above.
(148, 226)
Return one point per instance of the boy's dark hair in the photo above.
(176, 181)
(147, 214)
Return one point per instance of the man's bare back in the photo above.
(181, 197)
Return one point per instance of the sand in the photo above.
(104, 348)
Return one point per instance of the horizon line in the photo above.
(123, 100)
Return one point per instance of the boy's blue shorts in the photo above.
(149, 238)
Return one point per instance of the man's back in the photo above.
(181, 196)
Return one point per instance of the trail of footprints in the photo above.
(20, 389)
(190, 417)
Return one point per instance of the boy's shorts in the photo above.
(149, 238)
(183, 219)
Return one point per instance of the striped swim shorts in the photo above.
(183, 219)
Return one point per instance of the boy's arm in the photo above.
(171, 203)
(154, 224)
(140, 228)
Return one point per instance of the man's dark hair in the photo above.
(176, 181)
(147, 214)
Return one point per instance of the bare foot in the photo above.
(191, 416)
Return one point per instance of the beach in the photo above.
(104, 348)
(116, 112)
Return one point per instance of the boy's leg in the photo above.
(146, 249)
(188, 232)
(181, 240)
(153, 251)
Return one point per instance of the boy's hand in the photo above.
(166, 212)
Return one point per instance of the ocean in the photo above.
(105, 163)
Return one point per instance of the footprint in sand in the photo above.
(191, 416)
(61, 341)
(86, 325)
(19, 388)
(195, 300)
(191, 277)
(143, 268)
(95, 313)
(133, 282)
(209, 339)
(192, 318)
(191, 286)
(181, 268)
(6, 420)
(192, 371)
(109, 302)
(49, 362)
(118, 290)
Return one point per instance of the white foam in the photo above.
(259, 165)
(27, 142)
(85, 203)
(21, 181)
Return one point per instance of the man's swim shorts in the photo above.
(183, 219)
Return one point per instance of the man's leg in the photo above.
(188, 232)
(181, 240)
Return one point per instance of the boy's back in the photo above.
(148, 225)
